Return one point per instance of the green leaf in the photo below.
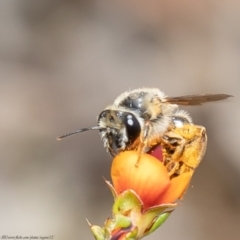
(157, 222)
(126, 202)
(98, 232)
(151, 215)
(122, 221)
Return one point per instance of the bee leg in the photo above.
(172, 167)
(195, 146)
(185, 145)
(173, 144)
(192, 149)
(140, 151)
(184, 168)
(142, 147)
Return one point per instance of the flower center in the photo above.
(156, 152)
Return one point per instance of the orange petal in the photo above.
(176, 189)
(149, 179)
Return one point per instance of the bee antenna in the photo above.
(78, 131)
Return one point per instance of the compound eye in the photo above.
(132, 126)
(102, 115)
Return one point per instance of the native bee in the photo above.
(142, 118)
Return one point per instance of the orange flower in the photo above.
(149, 179)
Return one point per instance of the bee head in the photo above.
(118, 129)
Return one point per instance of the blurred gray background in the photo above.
(62, 62)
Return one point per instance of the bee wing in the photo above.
(197, 99)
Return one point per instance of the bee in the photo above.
(138, 119)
